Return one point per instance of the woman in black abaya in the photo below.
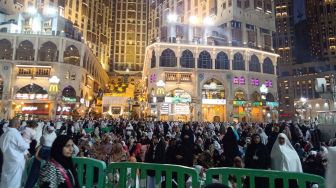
(230, 146)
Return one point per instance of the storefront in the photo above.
(255, 110)
(213, 101)
(67, 105)
(176, 106)
(239, 107)
(31, 101)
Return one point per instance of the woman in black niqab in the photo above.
(230, 146)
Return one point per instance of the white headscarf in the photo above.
(331, 170)
(284, 157)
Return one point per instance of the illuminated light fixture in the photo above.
(35, 66)
(127, 70)
(51, 10)
(172, 18)
(193, 20)
(31, 10)
(303, 99)
(54, 80)
(208, 21)
(160, 83)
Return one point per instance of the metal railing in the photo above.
(270, 177)
(94, 173)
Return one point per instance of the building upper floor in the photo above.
(28, 49)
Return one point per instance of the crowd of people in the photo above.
(281, 146)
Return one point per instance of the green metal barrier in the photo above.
(135, 174)
(87, 176)
(222, 175)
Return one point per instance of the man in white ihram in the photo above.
(13, 147)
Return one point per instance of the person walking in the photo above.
(14, 148)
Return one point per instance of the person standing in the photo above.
(14, 148)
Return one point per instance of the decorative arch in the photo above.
(25, 51)
(69, 94)
(222, 61)
(48, 52)
(31, 92)
(213, 89)
(204, 60)
(255, 96)
(71, 55)
(238, 62)
(168, 58)
(187, 59)
(153, 59)
(270, 97)
(6, 51)
(254, 64)
(240, 95)
(268, 67)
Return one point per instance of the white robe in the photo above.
(13, 147)
(331, 170)
(284, 157)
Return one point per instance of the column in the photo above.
(247, 59)
(14, 47)
(61, 49)
(260, 40)
(229, 32)
(36, 47)
(82, 54)
(261, 59)
(245, 39)
(231, 55)
(172, 32)
(157, 55)
(190, 33)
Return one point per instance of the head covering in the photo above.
(284, 157)
(57, 152)
(331, 170)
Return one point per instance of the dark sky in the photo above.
(299, 10)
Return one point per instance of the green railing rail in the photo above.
(135, 175)
(222, 175)
(90, 172)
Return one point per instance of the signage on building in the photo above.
(36, 108)
(64, 109)
(29, 108)
(176, 100)
(239, 103)
(214, 101)
(26, 96)
(165, 109)
(69, 99)
(257, 103)
(272, 104)
(181, 109)
(160, 83)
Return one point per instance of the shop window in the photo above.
(185, 77)
(42, 72)
(25, 71)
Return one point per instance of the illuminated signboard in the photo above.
(64, 109)
(239, 103)
(272, 104)
(239, 80)
(177, 100)
(214, 101)
(257, 103)
(268, 83)
(68, 99)
(255, 82)
(181, 109)
(29, 108)
(26, 96)
(165, 109)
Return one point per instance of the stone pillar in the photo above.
(190, 33)
(36, 48)
(247, 59)
(245, 39)
(14, 47)
(82, 54)
(231, 55)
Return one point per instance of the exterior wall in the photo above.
(200, 76)
(74, 75)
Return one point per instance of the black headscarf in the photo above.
(230, 146)
(57, 154)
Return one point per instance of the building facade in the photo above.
(46, 72)
(129, 35)
(210, 83)
(92, 18)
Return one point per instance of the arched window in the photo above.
(222, 61)
(25, 51)
(238, 62)
(254, 64)
(6, 51)
(69, 92)
(153, 60)
(268, 67)
(168, 58)
(204, 60)
(187, 59)
(71, 55)
(48, 52)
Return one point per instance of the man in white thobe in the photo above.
(13, 147)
